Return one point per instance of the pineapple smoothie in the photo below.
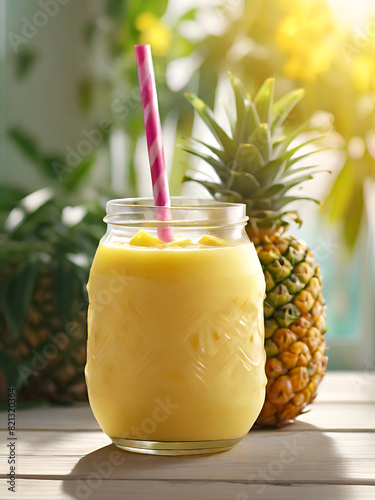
(175, 341)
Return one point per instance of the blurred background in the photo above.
(73, 136)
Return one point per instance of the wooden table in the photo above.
(328, 454)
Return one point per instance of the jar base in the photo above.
(175, 447)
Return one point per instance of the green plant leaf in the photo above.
(242, 104)
(114, 8)
(15, 297)
(31, 150)
(284, 106)
(85, 92)
(10, 197)
(271, 171)
(283, 142)
(264, 100)
(207, 116)
(353, 216)
(337, 202)
(224, 157)
(261, 138)
(248, 159)
(243, 182)
(228, 112)
(216, 190)
(281, 202)
(291, 152)
(27, 145)
(78, 173)
(268, 191)
(24, 61)
(135, 8)
(217, 165)
(296, 159)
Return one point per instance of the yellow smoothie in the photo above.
(175, 342)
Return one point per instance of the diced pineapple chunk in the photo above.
(181, 243)
(143, 239)
(212, 241)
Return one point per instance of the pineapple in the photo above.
(258, 167)
(44, 263)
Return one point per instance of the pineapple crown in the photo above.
(256, 165)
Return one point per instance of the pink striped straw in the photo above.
(154, 137)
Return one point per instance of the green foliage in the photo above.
(36, 235)
(24, 61)
(255, 166)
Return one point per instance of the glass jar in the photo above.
(175, 359)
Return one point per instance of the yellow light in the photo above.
(357, 12)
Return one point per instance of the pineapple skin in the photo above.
(295, 324)
(49, 353)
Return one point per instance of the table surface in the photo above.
(329, 452)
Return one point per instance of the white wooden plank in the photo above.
(346, 387)
(335, 417)
(78, 417)
(336, 387)
(280, 457)
(166, 490)
(327, 416)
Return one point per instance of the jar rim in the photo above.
(184, 211)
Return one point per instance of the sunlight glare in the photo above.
(356, 12)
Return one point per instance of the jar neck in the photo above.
(188, 218)
(183, 213)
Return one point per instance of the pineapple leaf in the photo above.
(212, 187)
(247, 115)
(291, 152)
(216, 190)
(228, 112)
(224, 157)
(208, 117)
(282, 144)
(294, 160)
(295, 181)
(250, 122)
(242, 100)
(261, 204)
(243, 182)
(261, 138)
(284, 106)
(217, 165)
(268, 217)
(271, 171)
(281, 202)
(264, 100)
(229, 196)
(264, 164)
(268, 191)
(248, 159)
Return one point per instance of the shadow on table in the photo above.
(266, 465)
